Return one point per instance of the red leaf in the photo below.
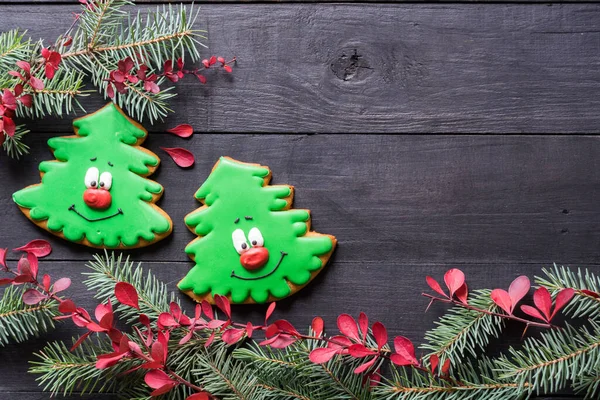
(151, 87)
(167, 320)
(33, 264)
(5, 281)
(223, 304)
(434, 360)
(199, 396)
(282, 341)
(584, 291)
(340, 342)
(562, 298)
(144, 320)
(49, 71)
(269, 312)
(23, 266)
(543, 301)
(183, 130)
(518, 289)
(435, 285)
(101, 310)
(322, 355)
(108, 360)
(212, 60)
(380, 334)
(126, 294)
(61, 284)
(462, 293)
(80, 340)
(358, 350)
(201, 78)
(362, 368)
(158, 378)
(363, 324)
(210, 339)
(67, 306)
(175, 310)
(182, 158)
(502, 300)
(46, 282)
(163, 389)
(454, 279)
(36, 83)
(405, 349)
(24, 65)
(347, 326)
(157, 352)
(227, 68)
(317, 326)
(3, 257)
(231, 336)
(446, 367)
(286, 327)
(187, 337)
(39, 247)
(532, 312)
(207, 310)
(32, 297)
(110, 90)
(221, 60)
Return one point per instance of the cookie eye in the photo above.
(91, 178)
(239, 241)
(256, 238)
(105, 180)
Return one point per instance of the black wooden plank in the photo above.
(388, 291)
(407, 198)
(484, 68)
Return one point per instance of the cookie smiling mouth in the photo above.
(72, 208)
(283, 254)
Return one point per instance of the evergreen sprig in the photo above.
(553, 361)
(583, 304)
(249, 370)
(19, 321)
(103, 34)
(463, 332)
(470, 382)
(109, 269)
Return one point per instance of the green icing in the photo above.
(232, 192)
(104, 136)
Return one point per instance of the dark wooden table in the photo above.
(494, 168)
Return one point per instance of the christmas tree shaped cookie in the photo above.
(95, 192)
(252, 247)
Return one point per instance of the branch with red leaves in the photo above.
(128, 58)
(209, 355)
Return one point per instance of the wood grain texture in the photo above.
(402, 207)
(418, 68)
(416, 198)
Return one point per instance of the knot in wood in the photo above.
(350, 66)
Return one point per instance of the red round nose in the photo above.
(254, 258)
(97, 198)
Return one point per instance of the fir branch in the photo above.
(462, 331)
(154, 297)
(63, 371)
(13, 47)
(19, 321)
(223, 376)
(588, 384)
(549, 363)
(582, 304)
(469, 382)
(58, 96)
(13, 145)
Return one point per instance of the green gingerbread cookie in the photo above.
(252, 248)
(95, 192)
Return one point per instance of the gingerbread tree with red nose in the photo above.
(96, 192)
